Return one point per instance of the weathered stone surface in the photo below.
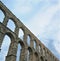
(34, 53)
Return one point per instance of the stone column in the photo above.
(1, 39)
(22, 55)
(12, 51)
(31, 56)
(5, 20)
(25, 38)
(34, 57)
(17, 30)
(31, 43)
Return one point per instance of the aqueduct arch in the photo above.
(36, 52)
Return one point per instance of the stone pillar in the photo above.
(22, 55)
(31, 43)
(1, 39)
(25, 38)
(17, 30)
(31, 56)
(35, 57)
(12, 51)
(5, 20)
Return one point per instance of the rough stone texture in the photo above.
(39, 53)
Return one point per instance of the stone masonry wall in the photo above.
(29, 51)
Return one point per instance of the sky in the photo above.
(42, 17)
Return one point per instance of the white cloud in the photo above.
(24, 6)
(57, 42)
(23, 9)
(42, 19)
(57, 46)
(35, 1)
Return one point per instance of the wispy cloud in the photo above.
(46, 25)
(43, 20)
(25, 6)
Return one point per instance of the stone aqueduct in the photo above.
(37, 53)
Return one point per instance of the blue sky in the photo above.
(42, 17)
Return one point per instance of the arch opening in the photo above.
(43, 51)
(36, 58)
(29, 54)
(21, 34)
(11, 25)
(39, 48)
(35, 44)
(18, 52)
(5, 47)
(45, 59)
(2, 16)
(41, 58)
(28, 40)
